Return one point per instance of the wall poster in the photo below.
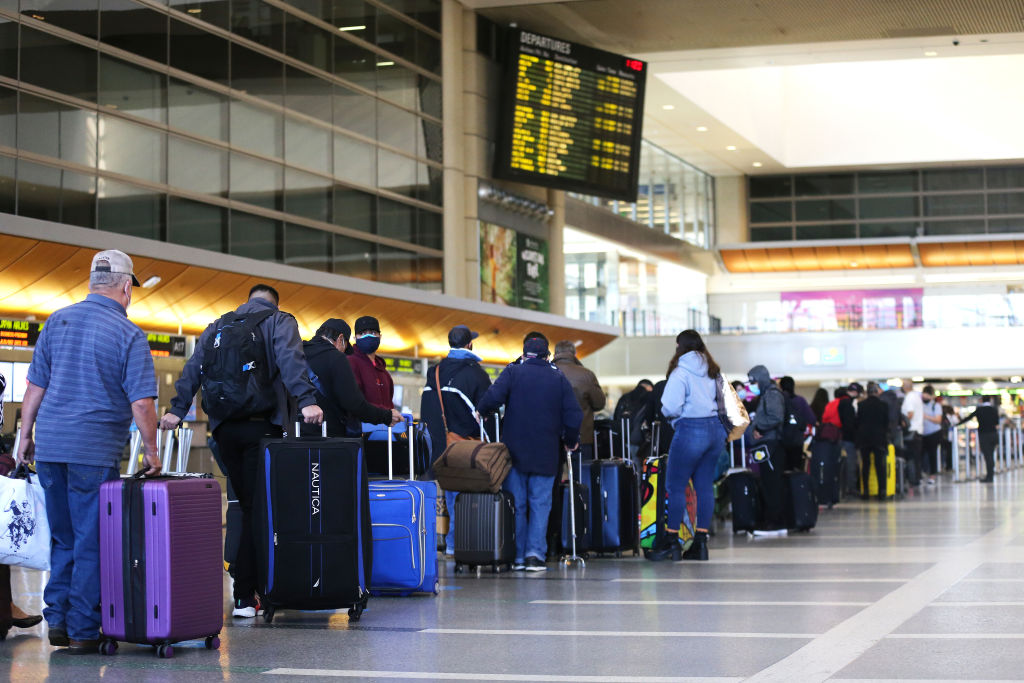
(513, 268)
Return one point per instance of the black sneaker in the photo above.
(247, 609)
(518, 566)
(58, 636)
(535, 564)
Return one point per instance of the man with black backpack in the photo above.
(250, 364)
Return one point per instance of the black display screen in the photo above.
(571, 117)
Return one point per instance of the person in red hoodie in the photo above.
(372, 375)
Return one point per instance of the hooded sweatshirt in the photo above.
(689, 391)
(771, 408)
(341, 401)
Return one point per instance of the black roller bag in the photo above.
(312, 522)
(802, 506)
(825, 471)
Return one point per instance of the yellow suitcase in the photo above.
(890, 475)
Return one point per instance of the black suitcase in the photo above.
(312, 520)
(485, 530)
(802, 506)
(825, 471)
(745, 495)
(376, 451)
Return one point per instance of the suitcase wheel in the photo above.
(268, 615)
(437, 587)
(459, 568)
(356, 611)
(165, 651)
(212, 643)
(108, 647)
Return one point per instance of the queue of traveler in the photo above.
(92, 375)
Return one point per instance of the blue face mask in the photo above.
(755, 390)
(368, 344)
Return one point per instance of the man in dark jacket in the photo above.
(848, 442)
(987, 415)
(587, 389)
(371, 373)
(872, 437)
(460, 382)
(238, 437)
(802, 417)
(541, 417)
(338, 394)
(767, 425)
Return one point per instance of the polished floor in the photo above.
(930, 588)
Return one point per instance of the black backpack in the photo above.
(794, 426)
(236, 381)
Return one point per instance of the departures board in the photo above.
(570, 117)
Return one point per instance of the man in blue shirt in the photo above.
(541, 416)
(91, 373)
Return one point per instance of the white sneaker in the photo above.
(247, 609)
(771, 532)
(518, 566)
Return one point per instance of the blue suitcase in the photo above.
(403, 514)
(614, 503)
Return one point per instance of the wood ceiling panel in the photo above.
(13, 248)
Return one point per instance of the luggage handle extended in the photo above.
(165, 443)
(391, 464)
(574, 559)
(323, 429)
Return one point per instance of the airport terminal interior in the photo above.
(832, 189)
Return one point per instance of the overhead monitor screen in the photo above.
(570, 117)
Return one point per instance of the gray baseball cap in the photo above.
(114, 261)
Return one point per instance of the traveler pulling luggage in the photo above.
(312, 521)
(614, 501)
(485, 527)
(404, 514)
(160, 559)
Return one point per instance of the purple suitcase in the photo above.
(160, 561)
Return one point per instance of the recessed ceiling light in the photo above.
(931, 53)
(195, 10)
(731, 148)
(360, 27)
(668, 107)
(151, 282)
(702, 129)
(385, 63)
(918, 378)
(854, 264)
(758, 164)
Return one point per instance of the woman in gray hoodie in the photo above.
(689, 402)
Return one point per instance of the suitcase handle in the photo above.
(391, 438)
(323, 429)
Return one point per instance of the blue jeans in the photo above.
(72, 595)
(693, 455)
(449, 540)
(532, 493)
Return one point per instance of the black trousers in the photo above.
(988, 442)
(913, 445)
(929, 448)
(878, 453)
(773, 486)
(239, 443)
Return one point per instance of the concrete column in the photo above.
(453, 74)
(556, 252)
(732, 223)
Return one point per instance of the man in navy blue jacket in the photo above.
(541, 415)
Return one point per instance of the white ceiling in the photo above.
(862, 94)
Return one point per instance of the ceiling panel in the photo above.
(816, 258)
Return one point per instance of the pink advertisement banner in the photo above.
(853, 309)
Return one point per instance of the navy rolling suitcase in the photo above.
(404, 514)
(312, 520)
(559, 532)
(825, 471)
(745, 496)
(802, 506)
(614, 503)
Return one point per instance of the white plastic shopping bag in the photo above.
(24, 531)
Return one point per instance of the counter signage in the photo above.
(571, 117)
(19, 333)
(405, 366)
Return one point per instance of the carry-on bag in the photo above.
(890, 475)
(802, 506)
(485, 528)
(311, 517)
(824, 472)
(404, 520)
(614, 502)
(473, 466)
(744, 493)
(161, 580)
(385, 447)
(563, 511)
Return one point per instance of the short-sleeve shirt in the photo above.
(94, 363)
